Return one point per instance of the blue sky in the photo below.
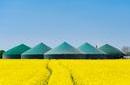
(54, 21)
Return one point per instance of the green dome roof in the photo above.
(38, 49)
(18, 50)
(110, 50)
(64, 48)
(89, 49)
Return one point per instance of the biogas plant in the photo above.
(63, 51)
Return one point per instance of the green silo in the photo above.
(37, 52)
(91, 52)
(112, 52)
(64, 51)
(15, 53)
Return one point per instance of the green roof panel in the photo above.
(64, 48)
(89, 49)
(38, 49)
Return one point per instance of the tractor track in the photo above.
(50, 72)
(70, 72)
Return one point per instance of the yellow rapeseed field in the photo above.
(64, 72)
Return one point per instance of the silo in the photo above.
(112, 52)
(36, 52)
(64, 51)
(15, 53)
(91, 52)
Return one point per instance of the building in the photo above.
(15, 53)
(36, 52)
(112, 52)
(64, 51)
(91, 52)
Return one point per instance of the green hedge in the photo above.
(1, 53)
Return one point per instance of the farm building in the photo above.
(91, 52)
(36, 53)
(64, 51)
(15, 53)
(127, 55)
(112, 52)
